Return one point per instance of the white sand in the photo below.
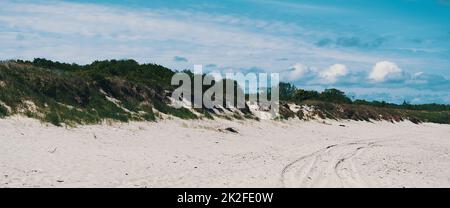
(176, 153)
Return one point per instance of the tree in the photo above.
(301, 95)
(334, 95)
(286, 91)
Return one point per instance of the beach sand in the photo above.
(201, 153)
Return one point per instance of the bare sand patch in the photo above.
(192, 153)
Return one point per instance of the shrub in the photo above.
(53, 118)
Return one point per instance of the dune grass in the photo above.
(123, 90)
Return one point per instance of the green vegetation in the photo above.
(334, 104)
(72, 94)
(124, 90)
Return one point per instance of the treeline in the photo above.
(288, 92)
(81, 94)
(126, 90)
(151, 74)
(159, 77)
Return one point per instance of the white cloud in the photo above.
(385, 70)
(77, 32)
(432, 81)
(333, 73)
(399, 94)
(297, 72)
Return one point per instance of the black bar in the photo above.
(235, 198)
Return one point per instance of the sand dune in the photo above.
(180, 153)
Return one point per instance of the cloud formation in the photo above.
(297, 72)
(384, 74)
(86, 32)
(334, 72)
(384, 71)
(180, 59)
(350, 42)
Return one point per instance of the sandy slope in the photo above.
(176, 153)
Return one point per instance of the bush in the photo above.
(53, 118)
(3, 111)
(334, 95)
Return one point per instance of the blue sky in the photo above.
(376, 50)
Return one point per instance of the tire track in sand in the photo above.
(331, 166)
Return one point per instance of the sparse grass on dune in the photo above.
(361, 112)
(79, 95)
(124, 90)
